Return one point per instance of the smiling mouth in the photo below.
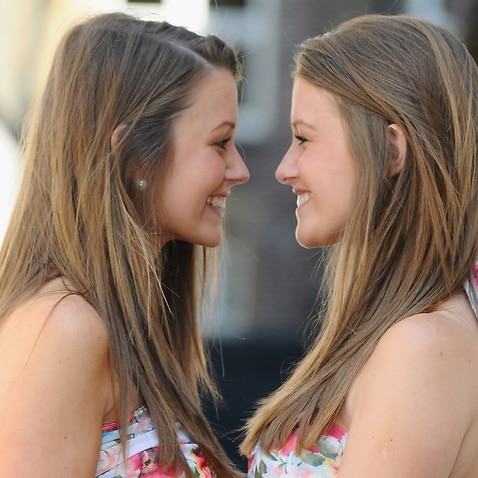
(303, 198)
(218, 202)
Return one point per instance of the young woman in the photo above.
(128, 162)
(385, 168)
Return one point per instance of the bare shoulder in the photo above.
(420, 382)
(446, 336)
(54, 329)
(55, 317)
(55, 385)
(431, 351)
(74, 317)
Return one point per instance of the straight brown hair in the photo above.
(80, 215)
(410, 242)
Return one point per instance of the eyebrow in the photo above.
(231, 124)
(299, 122)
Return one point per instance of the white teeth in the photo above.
(303, 198)
(217, 201)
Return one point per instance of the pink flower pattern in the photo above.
(474, 275)
(319, 461)
(143, 452)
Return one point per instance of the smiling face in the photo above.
(319, 166)
(204, 165)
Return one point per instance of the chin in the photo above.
(307, 245)
(210, 242)
(313, 241)
(305, 242)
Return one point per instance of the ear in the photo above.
(398, 143)
(116, 136)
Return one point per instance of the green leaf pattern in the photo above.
(320, 461)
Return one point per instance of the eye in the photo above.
(300, 139)
(222, 143)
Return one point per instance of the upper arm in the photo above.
(53, 389)
(412, 404)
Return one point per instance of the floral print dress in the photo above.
(143, 452)
(321, 461)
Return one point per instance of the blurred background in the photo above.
(269, 283)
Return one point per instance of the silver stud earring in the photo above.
(141, 184)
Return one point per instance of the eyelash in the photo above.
(222, 144)
(300, 139)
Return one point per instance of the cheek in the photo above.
(350, 189)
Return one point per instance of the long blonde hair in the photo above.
(411, 240)
(81, 216)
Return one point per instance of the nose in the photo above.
(236, 170)
(286, 172)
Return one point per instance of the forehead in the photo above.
(215, 96)
(311, 103)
